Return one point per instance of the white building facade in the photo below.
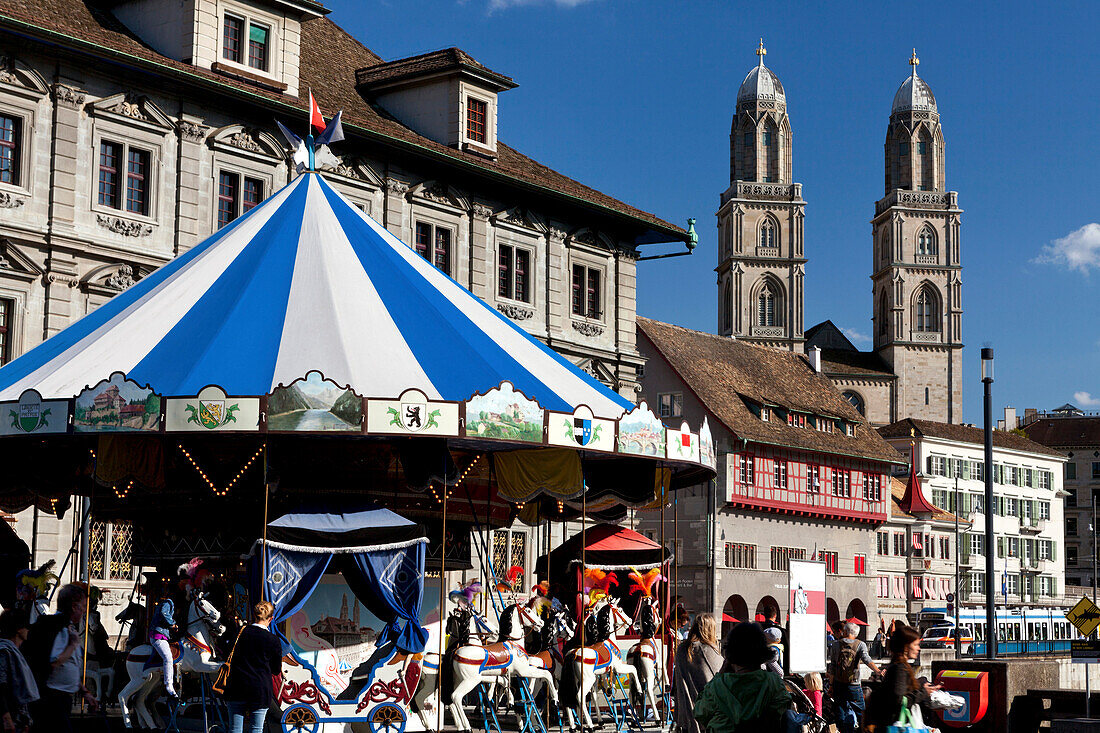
(1028, 524)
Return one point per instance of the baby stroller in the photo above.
(802, 717)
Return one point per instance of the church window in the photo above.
(768, 138)
(727, 307)
(768, 233)
(928, 311)
(922, 148)
(926, 395)
(855, 401)
(746, 140)
(926, 242)
(883, 326)
(433, 243)
(765, 304)
(903, 149)
(11, 148)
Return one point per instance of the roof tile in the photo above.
(965, 434)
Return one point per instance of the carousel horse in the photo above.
(650, 648)
(559, 626)
(465, 627)
(475, 664)
(193, 653)
(604, 657)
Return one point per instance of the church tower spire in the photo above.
(917, 271)
(761, 264)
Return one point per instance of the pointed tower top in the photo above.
(914, 61)
(761, 51)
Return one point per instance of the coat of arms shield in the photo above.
(582, 430)
(414, 417)
(211, 413)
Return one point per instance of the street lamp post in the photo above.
(958, 593)
(990, 595)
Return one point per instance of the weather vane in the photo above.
(312, 153)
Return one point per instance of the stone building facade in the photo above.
(914, 366)
(131, 131)
(761, 260)
(801, 475)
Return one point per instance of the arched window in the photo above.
(855, 401)
(884, 246)
(769, 233)
(926, 241)
(927, 311)
(883, 320)
(727, 307)
(766, 307)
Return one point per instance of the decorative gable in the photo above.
(130, 109)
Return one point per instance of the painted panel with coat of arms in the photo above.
(31, 415)
(682, 444)
(212, 410)
(582, 430)
(412, 414)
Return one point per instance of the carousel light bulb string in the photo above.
(458, 483)
(221, 493)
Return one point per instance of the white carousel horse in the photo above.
(476, 664)
(470, 628)
(649, 653)
(103, 678)
(196, 653)
(600, 659)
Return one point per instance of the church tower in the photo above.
(761, 265)
(917, 271)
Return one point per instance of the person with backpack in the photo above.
(746, 698)
(848, 653)
(55, 652)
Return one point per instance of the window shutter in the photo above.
(929, 465)
(1053, 554)
(1000, 547)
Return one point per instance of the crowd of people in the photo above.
(741, 686)
(42, 654)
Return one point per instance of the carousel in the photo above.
(303, 396)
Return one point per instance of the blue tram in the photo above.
(1019, 630)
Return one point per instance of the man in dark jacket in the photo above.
(257, 658)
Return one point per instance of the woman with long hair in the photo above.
(698, 659)
(898, 682)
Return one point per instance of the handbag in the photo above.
(908, 721)
(221, 681)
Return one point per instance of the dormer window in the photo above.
(476, 111)
(233, 42)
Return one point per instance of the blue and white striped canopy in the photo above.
(303, 282)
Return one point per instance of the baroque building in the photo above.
(761, 262)
(130, 130)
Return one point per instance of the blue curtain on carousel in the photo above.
(389, 582)
(290, 578)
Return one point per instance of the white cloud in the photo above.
(855, 335)
(495, 5)
(1078, 250)
(1085, 399)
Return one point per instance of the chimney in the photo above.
(815, 358)
(1030, 415)
(1011, 423)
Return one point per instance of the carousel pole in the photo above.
(442, 597)
(87, 623)
(263, 533)
(666, 632)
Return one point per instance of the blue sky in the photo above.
(636, 99)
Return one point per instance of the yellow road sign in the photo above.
(1085, 616)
